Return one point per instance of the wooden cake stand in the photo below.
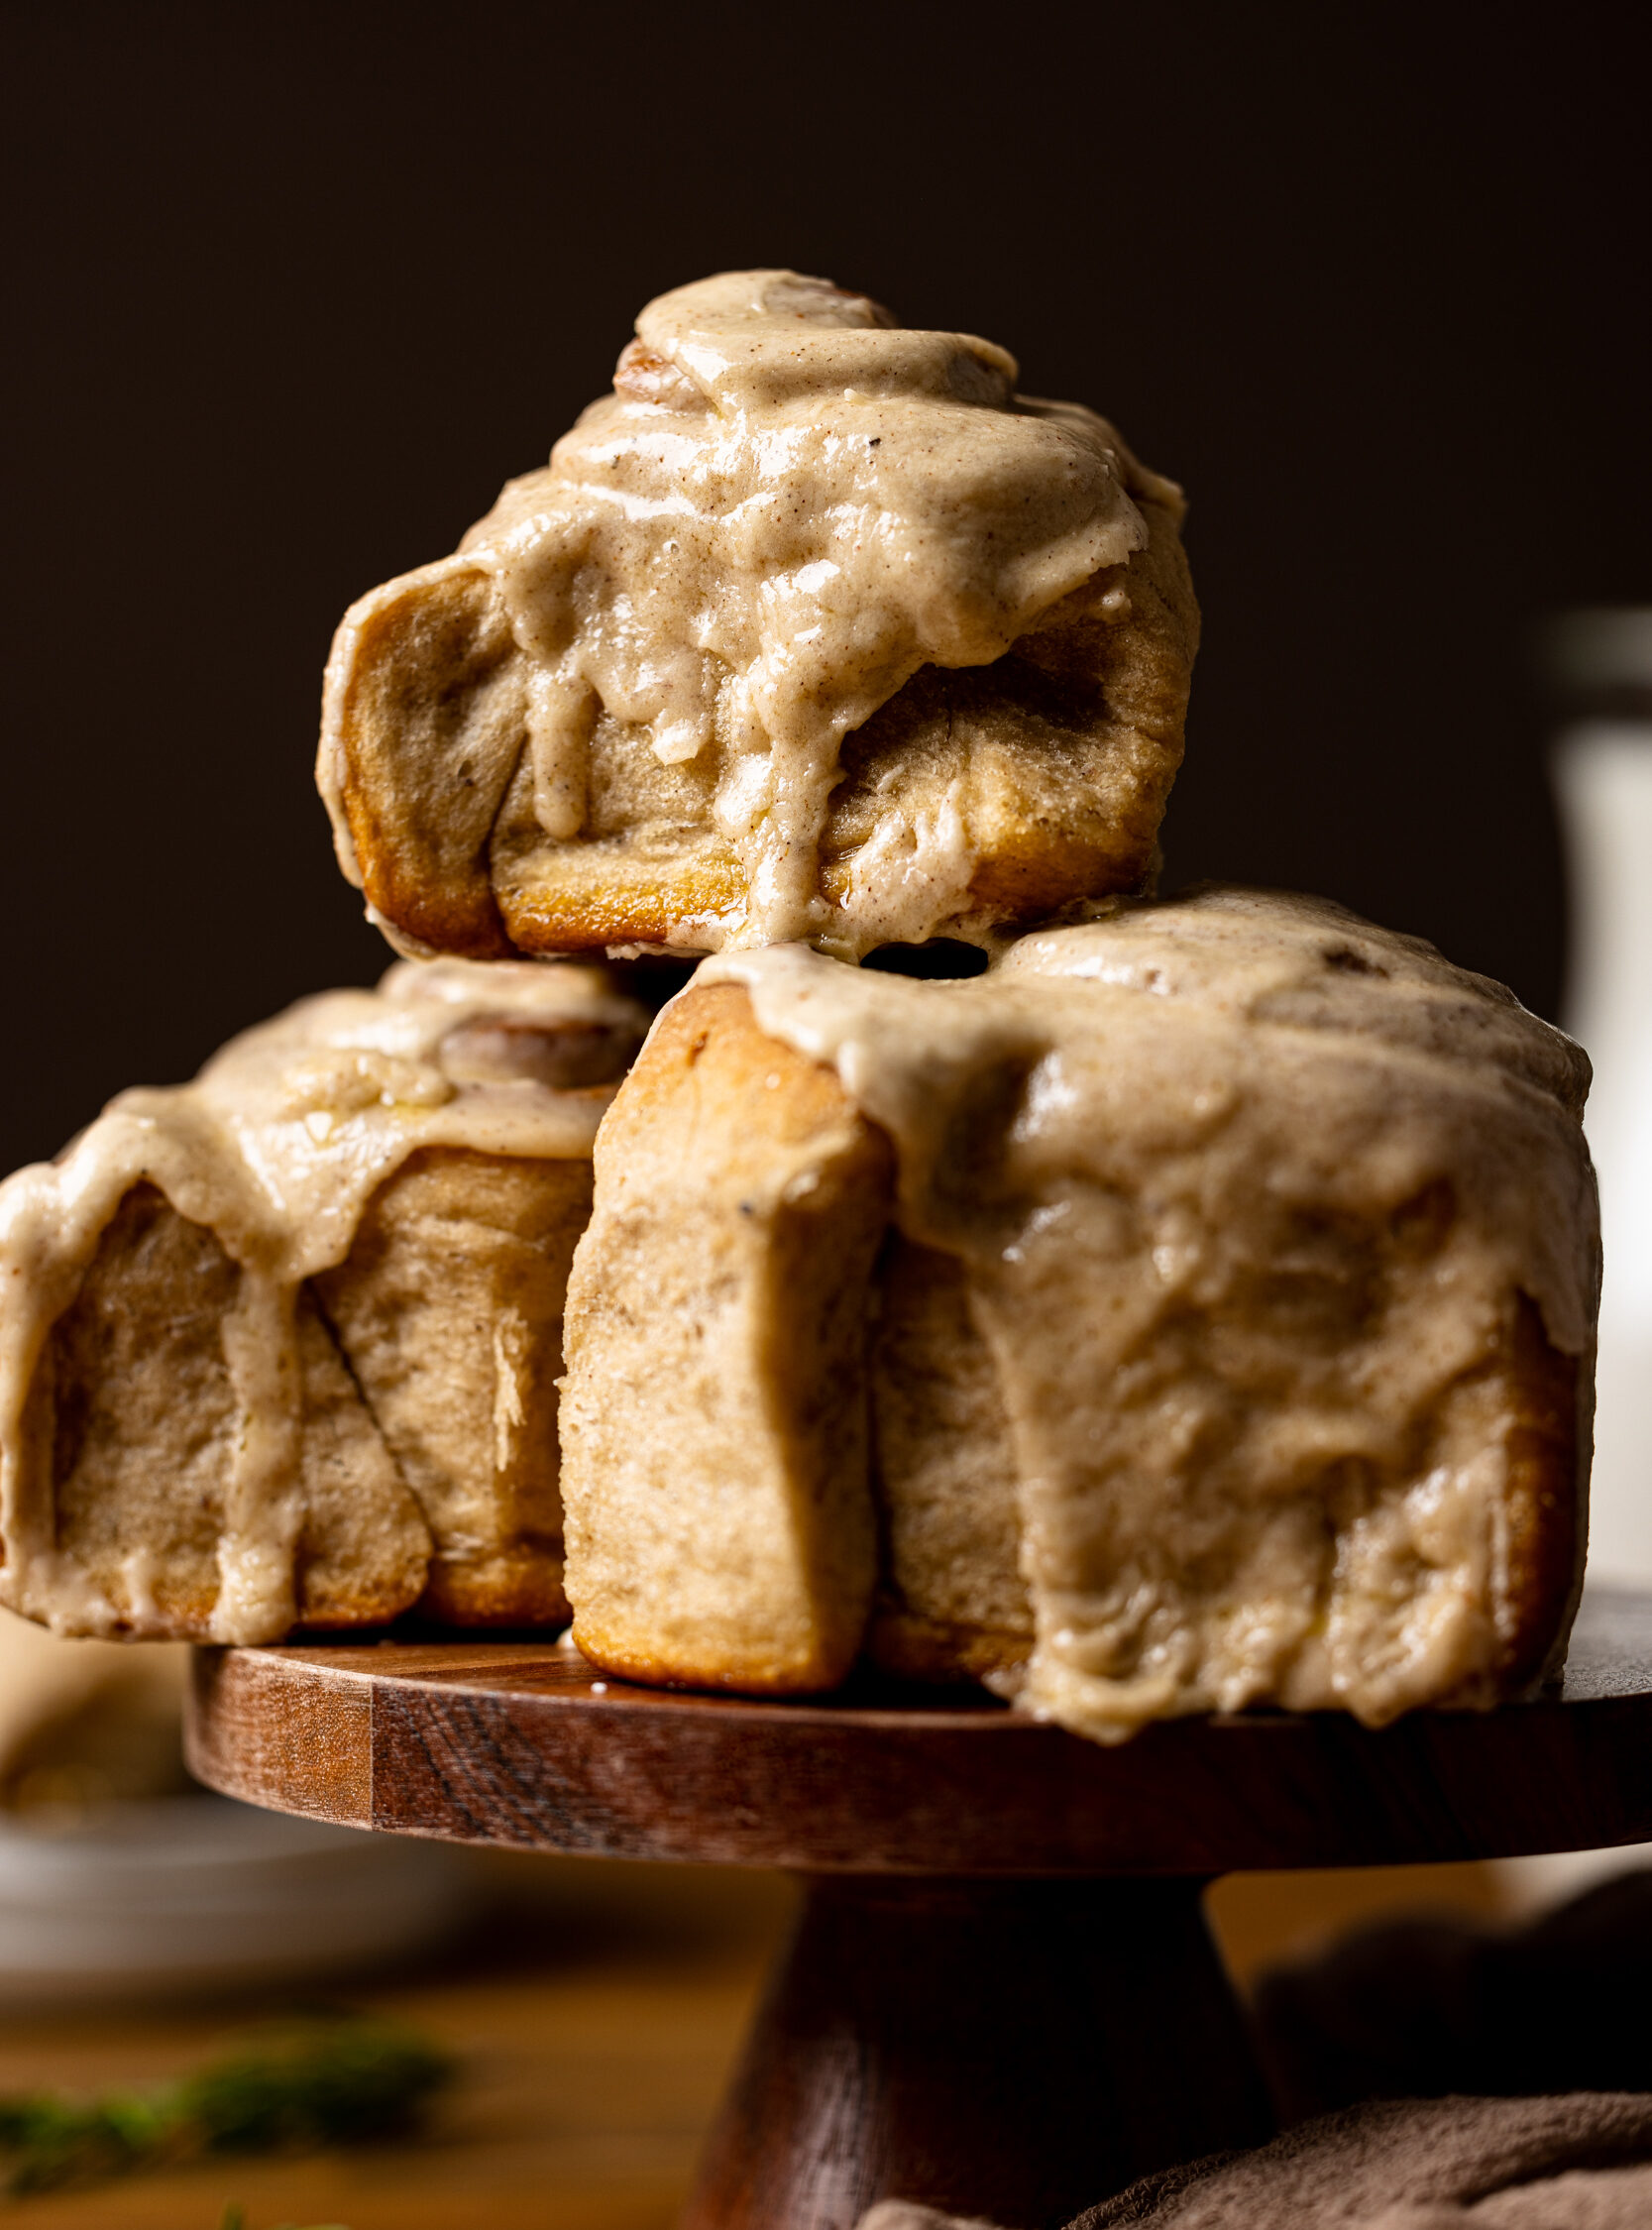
(1001, 1997)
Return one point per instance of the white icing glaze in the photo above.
(277, 1147)
(1152, 1137)
(788, 506)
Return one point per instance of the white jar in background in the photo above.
(1603, 767)
(1601, 661)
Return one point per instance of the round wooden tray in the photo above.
(1001, 1998)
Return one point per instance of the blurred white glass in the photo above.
(1604, 775)
(1603, 767)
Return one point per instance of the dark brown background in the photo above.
(292, 289)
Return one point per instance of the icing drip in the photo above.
(788, 506)
(1247, 1191)
(277, 1147)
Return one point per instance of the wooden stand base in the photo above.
(1010, 2050)
(1001, 1998)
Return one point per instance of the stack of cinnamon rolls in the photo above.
(978, 1265)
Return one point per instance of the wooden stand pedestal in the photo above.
(1001, 1998)
(1012, 2050)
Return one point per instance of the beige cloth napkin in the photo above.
(1581, 2162)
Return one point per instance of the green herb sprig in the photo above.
(296, 2087)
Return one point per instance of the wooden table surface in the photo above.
(595, 2016)
(618, 1993)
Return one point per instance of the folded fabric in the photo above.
(1582, 2161)
(1424, 2006)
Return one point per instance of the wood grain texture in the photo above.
(522, 1745)
(300, 1738)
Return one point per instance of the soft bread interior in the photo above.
(1058, 758)
(449, 1306)
(141, 1423)
(952, 1602)
(426, 1444)
(427, 712)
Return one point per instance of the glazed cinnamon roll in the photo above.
(1224, 1275)
(279, 1348)
(814, 629)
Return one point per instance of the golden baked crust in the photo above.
(427, 1457)
(1288, 1493)
(945, 1652)
(720, 1529)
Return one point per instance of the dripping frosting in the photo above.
(1172, 1149)
(788, 506)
